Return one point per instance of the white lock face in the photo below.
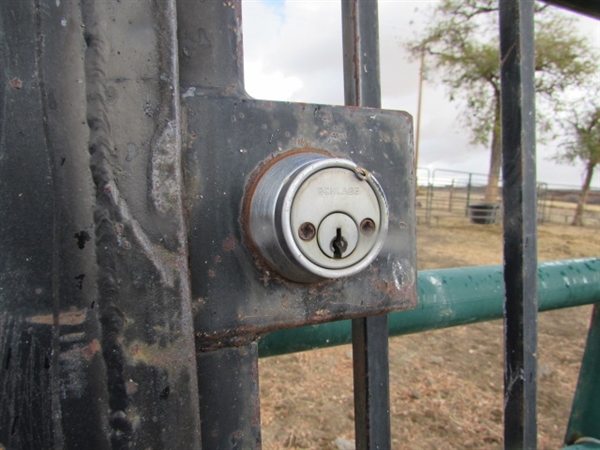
(314, 217)
(336, 202)
(337, 236)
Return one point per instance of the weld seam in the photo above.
(105, 216)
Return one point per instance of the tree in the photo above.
(583, 143)
(462, 42)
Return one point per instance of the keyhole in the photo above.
(339, 244)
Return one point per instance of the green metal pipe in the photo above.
(585, 413)
(451, 297)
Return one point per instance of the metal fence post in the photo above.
(210, 52)
(468, 195)
(360, 29)
(520, 237)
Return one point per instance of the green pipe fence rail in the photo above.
(451, 297)
(461, 296)
(584, 422)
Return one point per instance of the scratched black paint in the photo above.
(243, 134)
(92, 326)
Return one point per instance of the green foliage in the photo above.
(583, 142)
(462, 45)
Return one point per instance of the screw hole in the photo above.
(307, 231)
(367, 227)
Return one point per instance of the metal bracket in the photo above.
(237, 297)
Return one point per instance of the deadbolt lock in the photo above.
(288, 221)
(314, 217)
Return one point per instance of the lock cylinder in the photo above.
(314, 217)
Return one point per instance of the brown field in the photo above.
(446, 385)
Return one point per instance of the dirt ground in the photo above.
(446, 385)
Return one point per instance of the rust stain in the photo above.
(171, 357)
(67, 318)
(15, 83)
(303, 143)
(229, 244)
(131, 387)
(390, 288)
(320, 316)
(91, 349)
(338, 136)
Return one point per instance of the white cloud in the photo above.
(293, 52)
(300, 40)
(270, 84)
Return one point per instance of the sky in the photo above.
(293, 52)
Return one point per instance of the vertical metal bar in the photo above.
(519, 192)
(419, 104)
(541, 198)
(360, 33)
(210, 52)
(450, 196)
(371, 382)
(210, 46)
(429, 202)
(468, 195)
(360, 29)
(229, 398)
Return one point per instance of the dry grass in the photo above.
(446, 385)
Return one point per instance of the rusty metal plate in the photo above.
(236, 296)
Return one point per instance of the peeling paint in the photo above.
(90, 350)
(172, 357)
(191, 92)
(72, 337)
(400, 283)
(163, 260)
(434, 280)
(66, 318)
(131, 387)
(165, 191)
(229, 244)
(15, 83)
